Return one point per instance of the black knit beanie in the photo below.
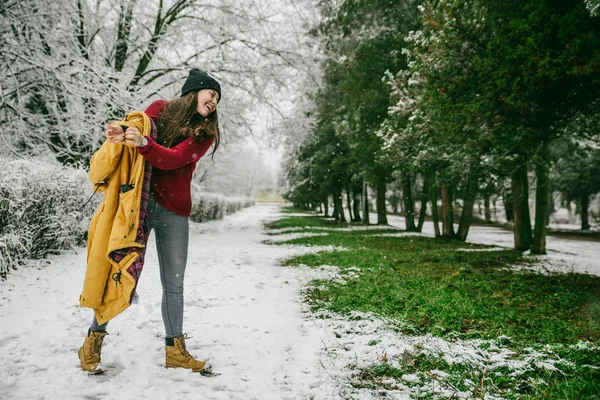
(198, 80)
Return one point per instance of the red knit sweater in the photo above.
(172, 167)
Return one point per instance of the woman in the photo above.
(185, 129)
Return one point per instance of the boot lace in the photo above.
(182, 346)
(96, 345)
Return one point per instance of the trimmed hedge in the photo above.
(211, 206)
(41, 210)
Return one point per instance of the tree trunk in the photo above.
(468, 202)
(409, 206)
(508, 200)
(495, 208)
(336, 211)
(123, 32)
(365, 203)
(434, 207)
(356, 203)
(552, 208)
(381, 211)
(350, 218)
(542, 203)
(326, 206)
(401, 203)
(585, 219)
(487, 211)
(81, 32)
(447, 212)
(520, 199)
(340, 205)
(424, 200)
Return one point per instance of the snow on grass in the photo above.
(296, 214)
(550, 264)
(360, 340)
(399, 234)
(337, 229)
(307, 274)
(297, 235)
(322, 272)
(357, 228)
(495, 248)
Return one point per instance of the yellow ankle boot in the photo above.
(177, 356)
(89, 353)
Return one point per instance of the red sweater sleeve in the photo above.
(186, 152)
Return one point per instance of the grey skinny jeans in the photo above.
(172, 237)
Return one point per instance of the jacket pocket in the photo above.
(127, 214)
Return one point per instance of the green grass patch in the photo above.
(431, 286)
(308, 221)
(294, 210)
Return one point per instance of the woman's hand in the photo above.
(133, 137)
(115, 134)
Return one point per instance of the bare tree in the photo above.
(69, 66)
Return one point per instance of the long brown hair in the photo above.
(180, 120)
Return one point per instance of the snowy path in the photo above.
(243, 312)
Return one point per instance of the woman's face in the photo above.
(207, 101)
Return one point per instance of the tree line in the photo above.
(454, 101)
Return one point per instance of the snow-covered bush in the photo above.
(41, 209)
(210, 206)
(235, 204)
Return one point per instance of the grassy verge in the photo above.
(294, 210)
(434, 286)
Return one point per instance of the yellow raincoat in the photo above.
(108, 286)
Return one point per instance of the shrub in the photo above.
(41, 210)
(211, 206)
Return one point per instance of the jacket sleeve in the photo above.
(186, 152)
(104, 161)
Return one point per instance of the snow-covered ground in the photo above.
(244, 312)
